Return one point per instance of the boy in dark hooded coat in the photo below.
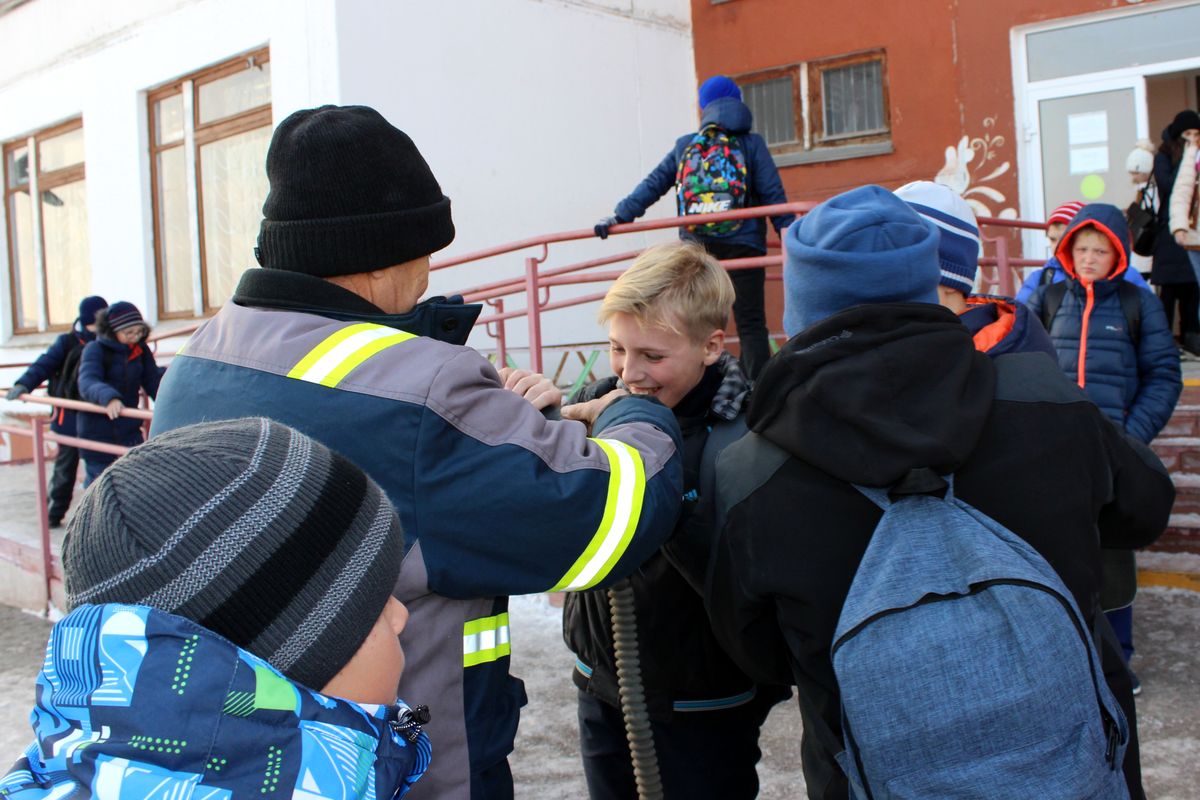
(1133, 375)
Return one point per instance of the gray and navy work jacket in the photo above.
(494, 499)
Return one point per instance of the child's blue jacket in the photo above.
(134, 703)
(1136, 386)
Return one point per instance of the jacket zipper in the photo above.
(1081, 370)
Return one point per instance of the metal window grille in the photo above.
(852, 99)
(771, 104)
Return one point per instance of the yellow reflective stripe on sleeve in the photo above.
(622, 511)
(485, 639)
(336, 357)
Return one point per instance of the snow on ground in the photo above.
(545, 763)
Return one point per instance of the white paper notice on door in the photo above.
(1088, 128)
(1087, 160)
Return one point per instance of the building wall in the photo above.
(949, 73)
(77, 58)
(536, 115)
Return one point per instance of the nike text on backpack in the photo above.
(965, 667)
(712, 177)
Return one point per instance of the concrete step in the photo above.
(1178, 453)
(1187, 493)
(1181, 536)
(1191, 392)
(1185, 422)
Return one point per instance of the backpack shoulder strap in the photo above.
(1046, 277)
(1131, 307)
(1051, 300)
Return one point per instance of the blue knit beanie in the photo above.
(863, 246)
(716, 87)
(88, 307)
(958, 230)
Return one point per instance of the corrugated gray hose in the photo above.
(633, 696)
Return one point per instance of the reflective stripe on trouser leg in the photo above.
(622, 511)
(485, 639)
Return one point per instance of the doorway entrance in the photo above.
(1085, 95)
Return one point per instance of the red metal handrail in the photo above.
(38, 433)
(533, 283)
(152, 339)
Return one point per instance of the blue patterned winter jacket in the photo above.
(1135, 385)
(133, 703)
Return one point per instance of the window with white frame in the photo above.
(209, 133)
(820, 105)
(45, 208)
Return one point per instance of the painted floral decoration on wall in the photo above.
(985, 201)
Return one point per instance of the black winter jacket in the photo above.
(48, 367)
(865, 396)
(683, 666)
(1171, 264)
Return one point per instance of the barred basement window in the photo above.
(852, 98)
(772, 103)
(209, 137)
(816, 107)
(45, 205)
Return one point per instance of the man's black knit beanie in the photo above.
(349, 193)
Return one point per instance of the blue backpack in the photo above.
(966, 670)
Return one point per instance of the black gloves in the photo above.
(16, 391)
(601, 227)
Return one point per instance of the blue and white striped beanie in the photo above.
(958, 246)
(248, 528)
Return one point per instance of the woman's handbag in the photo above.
(1143, 222)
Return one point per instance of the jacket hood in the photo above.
(1000, 325)
(729, 113)
(875, 391)
(1105, 218)
(135, 702)
(80, 330)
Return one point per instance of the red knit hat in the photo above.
(1065, 213)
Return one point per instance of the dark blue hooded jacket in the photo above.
(136, 703)
(49, 364)
(734, 117)
(109, 370)
(1137, 387)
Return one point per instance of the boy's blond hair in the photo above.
(673, 285)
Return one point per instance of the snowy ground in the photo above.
(546, 765)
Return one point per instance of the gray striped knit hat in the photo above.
(249, 528)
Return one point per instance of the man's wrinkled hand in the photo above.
(539, 390)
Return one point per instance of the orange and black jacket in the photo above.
(1000, 325)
